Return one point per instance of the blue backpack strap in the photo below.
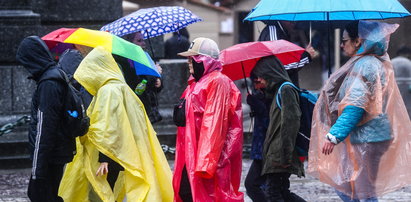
(278, 97)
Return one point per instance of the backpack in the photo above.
(307, 103)
(75, 121)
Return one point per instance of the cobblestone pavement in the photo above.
(13, 186)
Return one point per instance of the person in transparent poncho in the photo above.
(360, 126)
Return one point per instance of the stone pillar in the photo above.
(17, 21)
(22, 18)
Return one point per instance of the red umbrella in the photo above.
(240, 59)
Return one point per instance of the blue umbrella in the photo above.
(152, 22)
(143, 70)
(324, 10)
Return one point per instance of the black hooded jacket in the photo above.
(47, 143)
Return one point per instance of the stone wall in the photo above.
(22, 18)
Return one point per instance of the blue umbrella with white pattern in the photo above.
(152, 22)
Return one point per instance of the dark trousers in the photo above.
(113, 169)
(112, 176)
(45, 190)
(185, 188)
(254, 182)
(278, 188)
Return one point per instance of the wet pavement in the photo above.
(13, 186)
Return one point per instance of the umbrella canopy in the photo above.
(93, 38)
(323, 10)
(152, 21)
(239, 60)
(326, 10)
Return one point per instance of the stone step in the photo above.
(13, 148)
(15, 161)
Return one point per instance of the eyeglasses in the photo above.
(344, 41)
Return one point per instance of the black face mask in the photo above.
(198, 70)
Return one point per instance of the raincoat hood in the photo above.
(35, 56)
(97, 69)
(272, 70)
(375, 37)
(210, 64)
(366, 81)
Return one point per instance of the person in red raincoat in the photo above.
(209, 146)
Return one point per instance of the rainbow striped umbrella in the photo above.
(63, 37)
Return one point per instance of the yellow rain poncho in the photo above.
(121, 130)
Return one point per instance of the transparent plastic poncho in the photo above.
(376, 156)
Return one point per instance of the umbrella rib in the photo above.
(380, 15)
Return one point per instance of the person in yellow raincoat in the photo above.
(121, 130)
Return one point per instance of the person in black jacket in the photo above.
(276, 30)
(50, 149)
(178, 43)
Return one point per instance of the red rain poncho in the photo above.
(210, 146)
(375, 158)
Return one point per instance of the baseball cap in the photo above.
(202, 46)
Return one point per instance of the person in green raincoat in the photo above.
(121, 130)
(280, 158)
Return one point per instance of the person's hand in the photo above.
(158, 83)
(159, 69)
(103, 169)
(328, 147)
(310, 50)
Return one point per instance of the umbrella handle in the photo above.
(245, 79)
(310, 33)
(151, 47)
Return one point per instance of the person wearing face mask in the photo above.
(209, 146)
(361, 129)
